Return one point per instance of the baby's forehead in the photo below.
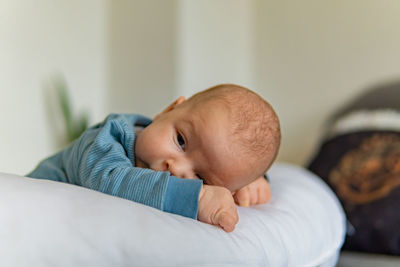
(206, 113)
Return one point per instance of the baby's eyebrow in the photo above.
(190, 123)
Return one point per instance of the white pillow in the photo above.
(45, 223)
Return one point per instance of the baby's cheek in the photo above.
(144, 149)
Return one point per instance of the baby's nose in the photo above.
(179, 169)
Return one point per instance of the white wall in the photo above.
(314, 55)
(215, 44)
(38, 39)
(141, 55)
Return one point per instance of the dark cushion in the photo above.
(363, 169)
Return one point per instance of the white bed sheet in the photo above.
(45, 223)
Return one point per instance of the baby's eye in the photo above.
(181, 141)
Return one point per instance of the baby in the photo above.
(195, 159)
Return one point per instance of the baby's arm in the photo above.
(187, 197)
(257, 192)
(102, 159)
(114, 174)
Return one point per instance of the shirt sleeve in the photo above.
(102, 159)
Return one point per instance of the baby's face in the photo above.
(194, 143)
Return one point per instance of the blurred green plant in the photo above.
(74, 125)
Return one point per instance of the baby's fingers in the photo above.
(227, 220)
(264, 194)
(242, 197)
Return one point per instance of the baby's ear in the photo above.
(174, 104)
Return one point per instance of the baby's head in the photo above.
(226, 135)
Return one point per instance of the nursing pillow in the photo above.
(47, 223)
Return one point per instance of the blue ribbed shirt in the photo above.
(103, 159)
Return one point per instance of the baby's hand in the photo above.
(257, 192)
(217, 207)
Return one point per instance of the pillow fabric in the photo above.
(360, 160)
(46, 223)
